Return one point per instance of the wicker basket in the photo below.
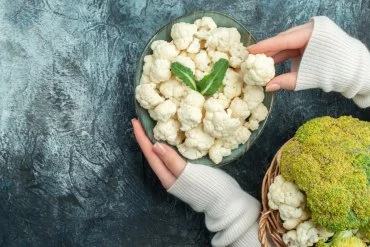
(271, 229)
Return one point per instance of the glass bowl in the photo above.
(164, 33)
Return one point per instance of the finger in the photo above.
(284, 55)
(308, 24)
(173, 161)
(284, 81)
(293, 40)
(164, 175)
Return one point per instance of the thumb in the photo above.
(284, 81)
(172, 160)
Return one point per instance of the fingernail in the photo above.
(159, 148)
(132, 121)
(250, 46)
(272, 87)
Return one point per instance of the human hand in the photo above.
(165, 162)
(288, 44)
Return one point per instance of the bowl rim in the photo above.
(139, 63)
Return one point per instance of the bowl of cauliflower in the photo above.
(200, 91)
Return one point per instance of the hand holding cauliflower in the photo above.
(212, 123)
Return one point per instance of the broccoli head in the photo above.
(329, 160)
(342, 239)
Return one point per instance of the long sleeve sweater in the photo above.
(332, 61)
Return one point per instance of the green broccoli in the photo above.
(329, 160)
(342, 239)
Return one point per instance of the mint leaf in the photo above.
(185, 74)
(213, 81)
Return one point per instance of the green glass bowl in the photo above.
(165, 34)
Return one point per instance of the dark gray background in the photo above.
(71, 173)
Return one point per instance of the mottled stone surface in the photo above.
(71, 173)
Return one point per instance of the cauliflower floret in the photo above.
(164, 50)
(186, 61)
(202, 61)
(217, 122)
(258, 69)
(205, 26)
(199, 75)
(284, 192)
(240, 136)
(253, 95)
(164, 111)
(305, 235)
(217, 152)
(252, 124)
(197, 138)
(190, 152)
(259, 113)
(168, 131)
(233, 84)
(182, 34)
(194, 47)
(222, 39)
(238, 53)
(160, 70)
(172, 89)
(190, 110)
(148, 96)
(144, 79)
(239, 108)
(148, 62)
(221, 98)
(217, 55)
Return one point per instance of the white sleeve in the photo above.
(334, 61)
(229, 210)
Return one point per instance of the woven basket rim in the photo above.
(271, 229)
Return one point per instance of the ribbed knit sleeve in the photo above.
(334, 61)
(229, 210)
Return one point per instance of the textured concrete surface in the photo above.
(71, 173)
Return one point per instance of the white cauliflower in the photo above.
(148, 62)
(238, 54)
(144, 79)
(186, 61)
(217, 152)
(199, 75)
(205, 26)
(160, 70)
(197, 143)
(148, 96)
(252, 124)
(197, 138)
(284, 192)
(182, 34)
(222, 39)
(194, 46)
(221, 98)
(306, 234)
(217, 55)
(190, 110)
(240, 136)
(259, 113)
(217, 122)
(233, 84)
(168, 131)
(164, 111)
(239, 108)
(202, 61)
(164, 50)
(253, 95)
(257, 69)
(173, 89)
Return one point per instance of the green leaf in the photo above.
(185, 74)
(213, 81)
